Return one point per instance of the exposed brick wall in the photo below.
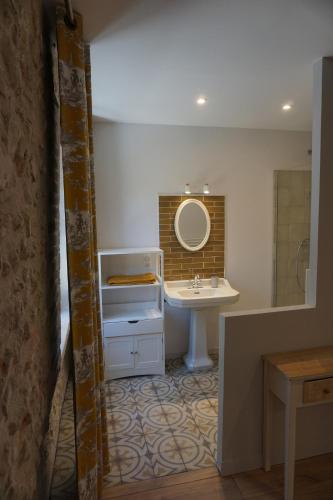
(28, 347)
(180, 263)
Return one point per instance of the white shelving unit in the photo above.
(132, 315)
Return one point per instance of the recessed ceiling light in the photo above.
(287, 107)
(201, 100)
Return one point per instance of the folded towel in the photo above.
(134, 279)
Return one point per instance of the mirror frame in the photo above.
(177, 217)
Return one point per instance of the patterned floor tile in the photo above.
(204, 408)
(64, 473)
(196, 457)
(136, 469)
(189, 397)
(154, 418)
(155, 389)
(168, 462)
(66, 432)
(64, 479)
(176, 415)
(209, 445)
(188, 384)
(160, 416)
(176, 399)
(161, 442)
(213, 449)
(114, 460)
(157, 425)
(204, 381)
(208, 429)
(112, 479)
(214, 403)
(205, 424)
(213, 393)
(130, 406)
(128, 446)
(119, 393)
(185, 440)
(124, 421)
(143, 407)
(188, 425)
(134, 381)
(129, 464)
(175, 367)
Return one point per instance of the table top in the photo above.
(303, 365)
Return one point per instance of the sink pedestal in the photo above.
(198, 300)
(197, 356)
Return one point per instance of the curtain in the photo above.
(77, 150)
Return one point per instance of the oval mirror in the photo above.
(192, 224)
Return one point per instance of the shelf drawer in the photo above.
(315, 391)
(117, 329)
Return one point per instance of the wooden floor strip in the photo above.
(313, 481)
(214, 488)
(160, 482)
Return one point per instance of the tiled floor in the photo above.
(161, 425)
(184, 406)
(157, 426)
(64, 472)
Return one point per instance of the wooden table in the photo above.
(297, 378)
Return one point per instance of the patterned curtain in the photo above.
(77, 150)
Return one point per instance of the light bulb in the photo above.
(206, 189)
(201, 100)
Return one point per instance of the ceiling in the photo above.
(152, 58)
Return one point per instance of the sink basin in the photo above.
(178, 294)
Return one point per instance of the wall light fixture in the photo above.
(187, 189)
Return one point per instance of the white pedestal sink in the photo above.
(179, 294)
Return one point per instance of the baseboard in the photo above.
(234, 466)
(51, 439)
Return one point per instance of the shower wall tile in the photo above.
(284, 178)
(297, 214)
(284, 197)
(292, 225)
(283, 233)
(298, 232)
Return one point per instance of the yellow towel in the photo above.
(134, 279)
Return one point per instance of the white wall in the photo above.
(245, 337)
(134, 163)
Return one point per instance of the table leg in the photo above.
(290, 437)
(267, 420)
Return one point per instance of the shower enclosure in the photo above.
(291, 235)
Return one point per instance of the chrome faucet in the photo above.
(196, 283)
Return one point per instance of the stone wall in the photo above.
(28, 290)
